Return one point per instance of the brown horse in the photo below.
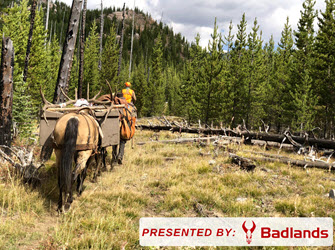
(76, 137)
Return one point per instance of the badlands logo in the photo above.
(287, 233)
(249, 232)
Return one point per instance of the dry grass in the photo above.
(107, 215)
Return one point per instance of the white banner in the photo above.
(264, 231)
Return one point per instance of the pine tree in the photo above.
(192, 76)
(255, 76)
(305, 101)
(37, 62)
(16, 26)
(238, 74)
(282, 101)
(211, 85)
(229, 40)
(228, 90)
(304, 98)
(124, 75)
(156, 98)
(110, 60)
(140, 86)
(91, 57)
(173, 97)
(51, 69)
(263, 87)
(324, 70)
(22, 108)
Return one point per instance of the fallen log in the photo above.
(247, 135)
(285, 157)
(244, 163)
(171, 158)
(272, 144)
(259, 142)
(286, 160)
(181, 140)
(23, 162)
(265, 154)
(298, 163)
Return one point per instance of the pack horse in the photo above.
(77, 135)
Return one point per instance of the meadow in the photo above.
(169, 180)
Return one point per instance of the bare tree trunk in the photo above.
(82, 46)
(48, 11)
(68, 51)
(101, 33)
(32, 22)
(6, 91)
(121, 44)
(132, 40)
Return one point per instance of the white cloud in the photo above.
(192, 16)
(190, 31)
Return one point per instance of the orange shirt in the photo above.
(128, 94)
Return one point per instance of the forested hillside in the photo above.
(239, 78)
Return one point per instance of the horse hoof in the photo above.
(66, 208)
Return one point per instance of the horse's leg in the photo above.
(81, 178)
(81, 181)
(58, 154)
(81, 166)
(104, 155)
(121, 151)
(114, 155)
(99, 161)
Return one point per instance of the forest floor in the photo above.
(170, 180)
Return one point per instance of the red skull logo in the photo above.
(249, 231)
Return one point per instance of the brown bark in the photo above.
(30, 37)
(6, 91)
(68, 51)
(82, 46)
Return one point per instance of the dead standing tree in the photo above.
(121, 44)
(82, 46)
(68, 51)
(30, 37)
(47, 19)
(101, 33)
(132, 41)
(6, 91)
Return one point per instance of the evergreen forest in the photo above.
(239, 78)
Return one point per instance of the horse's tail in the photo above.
(69, 148)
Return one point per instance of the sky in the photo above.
(190, 17)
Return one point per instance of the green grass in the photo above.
(107, 215)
